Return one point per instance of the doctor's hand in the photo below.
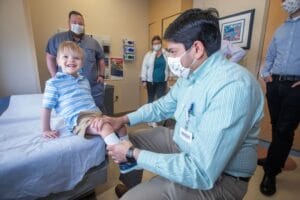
(115, 122)
(118, 151)
(51, 134)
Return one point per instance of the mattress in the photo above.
(32, 166)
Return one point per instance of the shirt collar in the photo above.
(60, 75)
(205, 67)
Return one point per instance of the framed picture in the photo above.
(116, 68)
(237, 28)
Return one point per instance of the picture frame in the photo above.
(116, 68)
(237, 28)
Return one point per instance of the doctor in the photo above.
(217, 104)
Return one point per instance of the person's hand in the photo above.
(118, 151)
(51, 134)
(296, 84)
(97, 124)
(170, 78)
(103, 129)
(144, 84)
(100, 79)
(268, 79)
(115, 122)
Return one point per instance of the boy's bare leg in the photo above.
(106, 132)
(122, 133)
(110, 138)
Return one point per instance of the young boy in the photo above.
(69, 94)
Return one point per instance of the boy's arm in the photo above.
(47, 132)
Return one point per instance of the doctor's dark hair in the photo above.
(196, 24)
(74, 12)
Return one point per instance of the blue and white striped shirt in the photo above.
(224, 103)
(69, 96)
(283, 57)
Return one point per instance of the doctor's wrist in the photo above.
(136, 153)
(125, 120)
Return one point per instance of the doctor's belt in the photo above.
(245, 179)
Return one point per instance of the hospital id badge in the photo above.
(186, 135)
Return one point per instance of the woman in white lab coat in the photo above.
(155, 72)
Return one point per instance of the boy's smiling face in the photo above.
(70, 62)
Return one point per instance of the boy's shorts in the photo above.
(84, 120)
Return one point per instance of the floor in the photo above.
(288, 182)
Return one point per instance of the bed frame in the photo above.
(95, 176)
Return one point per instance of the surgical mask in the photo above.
(176, 67)
(77, 29)
(291, 6)
(156, 47)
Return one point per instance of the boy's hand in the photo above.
(51, 134)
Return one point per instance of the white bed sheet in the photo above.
(32, 166)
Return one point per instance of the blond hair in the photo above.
(70, 47)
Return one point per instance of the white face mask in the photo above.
(156, 47)
(291, 6)
(176, 67)
(77, 29)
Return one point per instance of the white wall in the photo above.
(18, 66)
